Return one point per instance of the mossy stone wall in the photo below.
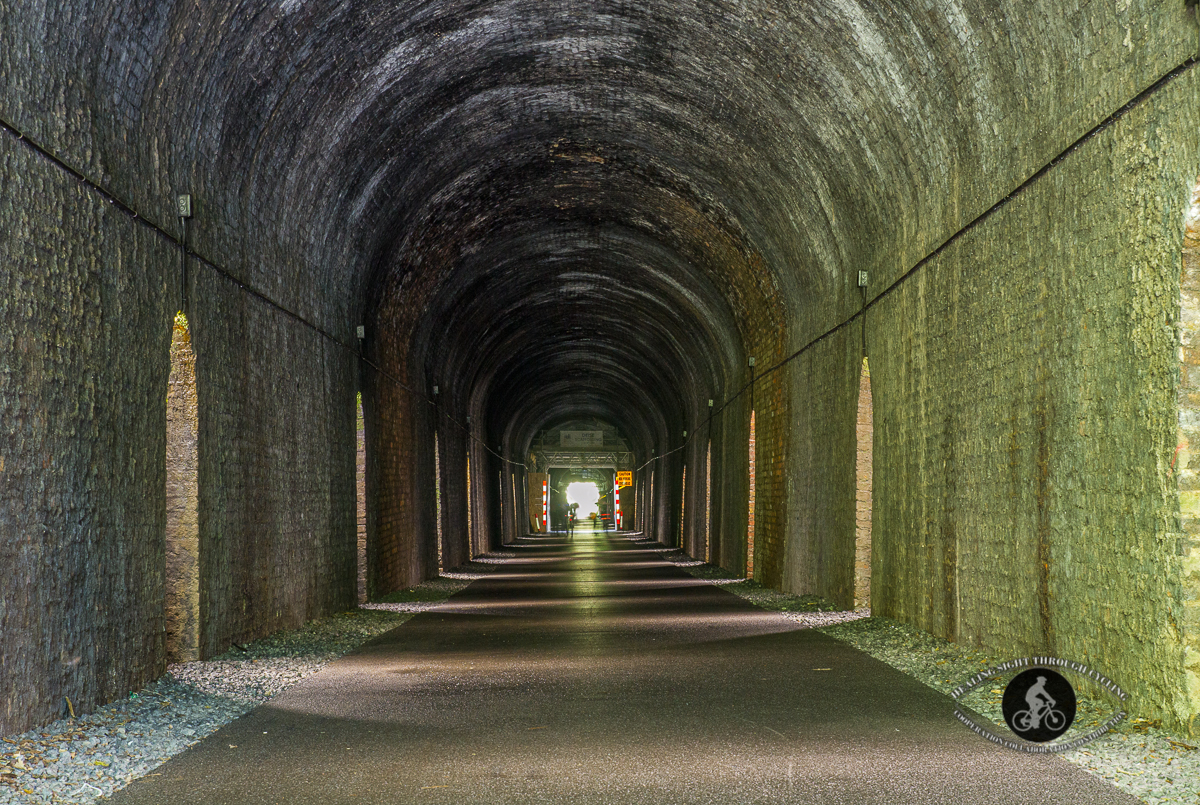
(1025, 384)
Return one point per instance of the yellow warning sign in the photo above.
(625, 479)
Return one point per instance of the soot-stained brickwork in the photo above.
(277, 467)
(85, 301)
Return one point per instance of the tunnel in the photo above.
(230, 232)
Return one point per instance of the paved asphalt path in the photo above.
(595, 672)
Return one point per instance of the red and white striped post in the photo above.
(616, 504)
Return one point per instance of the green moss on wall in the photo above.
(1025, 411)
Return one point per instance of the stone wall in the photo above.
(86, 301)
(820, 550)
(1025, 382)
(277, 466)
(91, 271)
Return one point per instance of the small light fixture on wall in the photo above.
(183, 209)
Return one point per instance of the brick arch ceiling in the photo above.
(515, 188)
(572, 192)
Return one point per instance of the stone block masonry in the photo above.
(1024, 386)
(278, 533)
(820, 548)
(85, 301)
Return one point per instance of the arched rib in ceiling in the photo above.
(805, 140)
(826, 136)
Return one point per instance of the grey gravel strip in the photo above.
(496, 558)
(1137, 756)
(817, 620)
(78, 760)
(407, 606)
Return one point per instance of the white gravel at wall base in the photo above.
(78, 760)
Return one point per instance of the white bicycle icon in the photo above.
(1026, 720)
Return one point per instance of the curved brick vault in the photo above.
(557, 210)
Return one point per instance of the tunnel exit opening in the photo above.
(586, 495)
(182, 591)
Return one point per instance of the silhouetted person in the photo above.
(1039, 701)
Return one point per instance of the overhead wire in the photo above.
(1121, 112)
(181, 242)
(127, 209)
